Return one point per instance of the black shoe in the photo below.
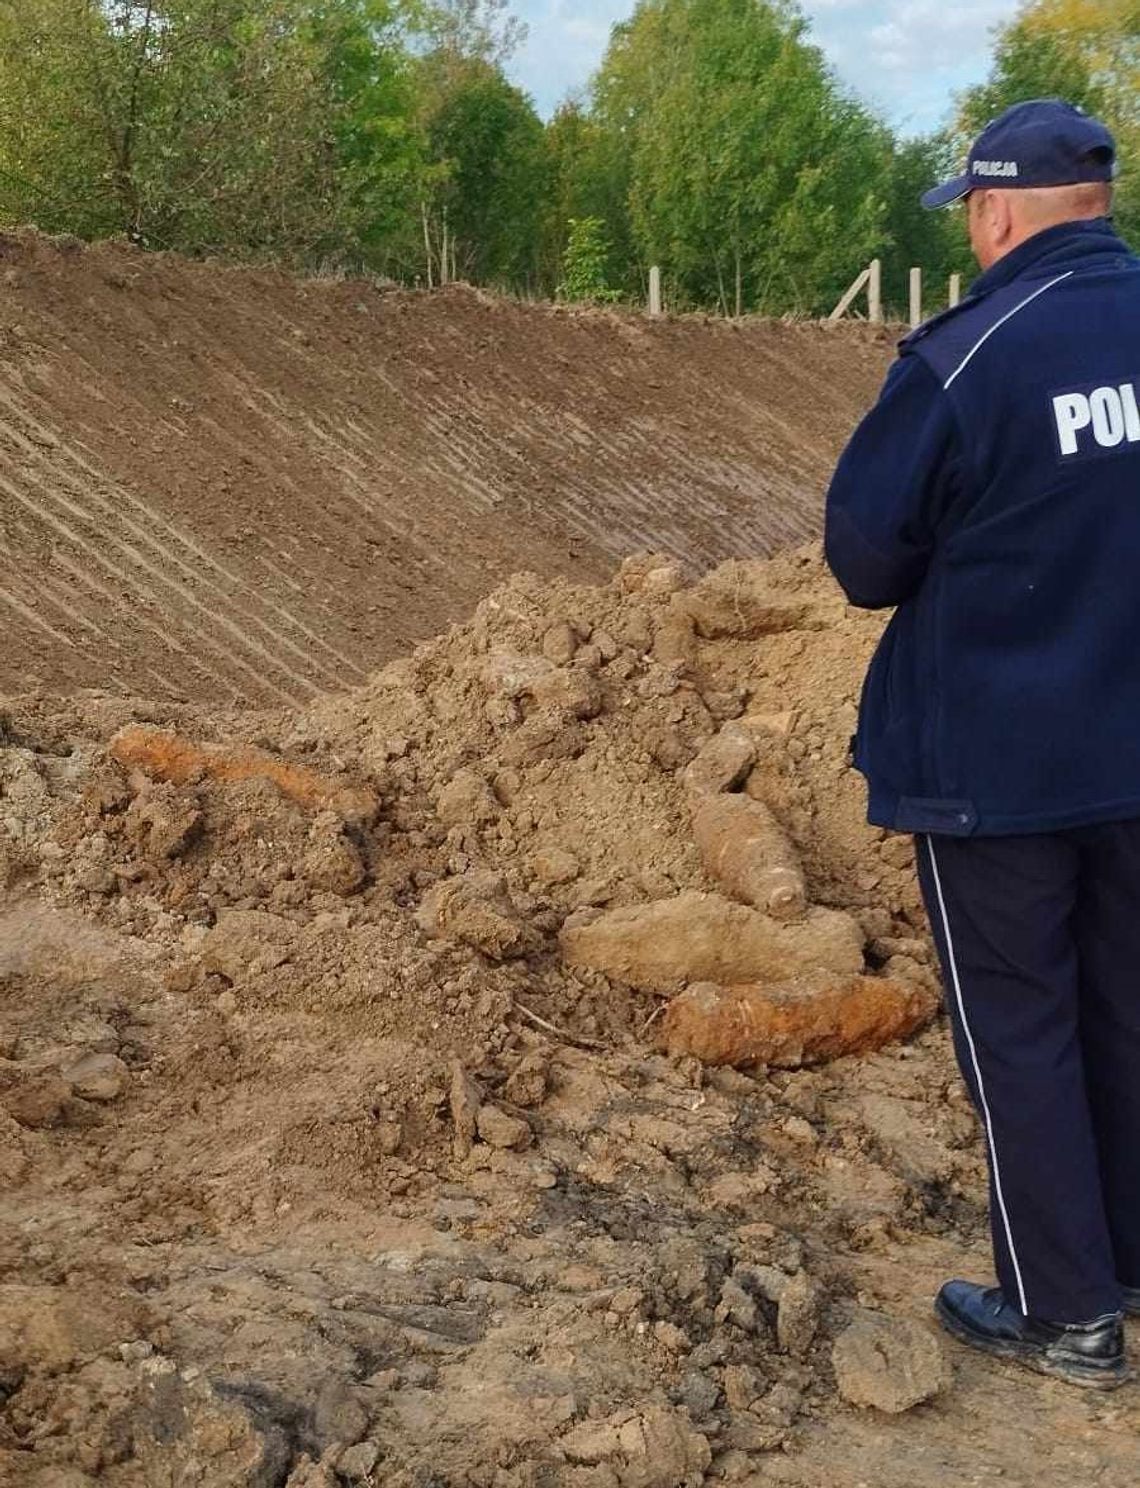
(1131, 1297)
(1089, 1354)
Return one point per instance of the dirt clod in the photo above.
(357, 1463)
(499, 1128)
(529, 1081)
(888, 1363)
(655, 1449)
(465, 1100)
(246, 943)
(97, 1077)
(721, 764)
(476, 910)
(798, 1315)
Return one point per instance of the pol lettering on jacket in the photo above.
(1110, 414)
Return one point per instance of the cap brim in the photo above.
(948, 192)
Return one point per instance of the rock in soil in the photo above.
(890, 1364)
(656, 1448)
(721, 764)
(798, 1314)
(97, 1077)
(499, 1128)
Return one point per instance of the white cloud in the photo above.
(909, 58)
(596, 33)
(564, 45)
(906, 58)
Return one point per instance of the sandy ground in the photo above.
(330, 1157)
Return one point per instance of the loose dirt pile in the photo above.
(352, 1128)
(235, 485)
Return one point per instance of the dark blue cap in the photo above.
(1045, 142)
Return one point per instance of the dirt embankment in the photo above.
(237, 486)
(341, 1139)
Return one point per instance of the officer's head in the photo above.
(1038, 164)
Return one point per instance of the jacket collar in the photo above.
(1052, 251)
(1069, 245)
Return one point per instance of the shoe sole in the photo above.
(1087, 1376)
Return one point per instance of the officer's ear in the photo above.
(1004, 217)
(992, 225)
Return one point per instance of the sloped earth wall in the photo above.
(234, 485)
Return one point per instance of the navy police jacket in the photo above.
(993, 495)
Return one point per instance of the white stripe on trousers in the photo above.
(953, 969)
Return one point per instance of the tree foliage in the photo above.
(587, 177)
(1085, 51)
(56, 162)
(385, 135)
(485, 152)
(270, 126)
(585, 264)
(934, 241)
(753, 180)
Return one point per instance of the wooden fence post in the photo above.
(955, 289)
(915, 298)
(655, 291)
(875, 292)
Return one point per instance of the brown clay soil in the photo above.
(238, 486)
(331, 1157)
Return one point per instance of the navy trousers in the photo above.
(1039, 938)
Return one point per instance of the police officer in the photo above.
(993, 496)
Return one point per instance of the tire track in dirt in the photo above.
(230, 484)
(77, 476)
(145, 580)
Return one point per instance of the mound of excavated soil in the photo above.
(338, 1143)
(238, 486)
(512, 806)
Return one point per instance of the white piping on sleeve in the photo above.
(953, 969)
(977, 346)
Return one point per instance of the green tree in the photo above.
(936, 242)
(586, 176)
(55, 161)
(484, 29)
(484, 144)
(753, 180)
(267, 127)
(585, 264)
(1086, 51)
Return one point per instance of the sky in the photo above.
(906, 58)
